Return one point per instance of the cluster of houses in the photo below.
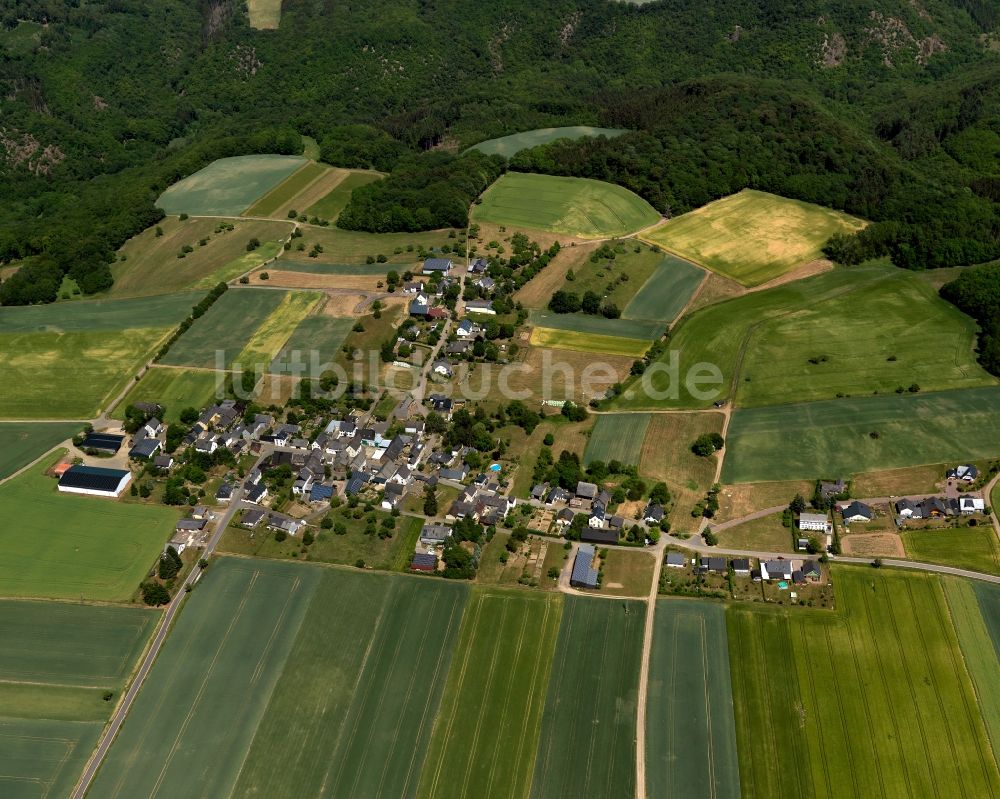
(781, 570)
(602, 527)
(939, 507)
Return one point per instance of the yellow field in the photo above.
(264, 14)
(276, 328)
(588, 342)
(752, 236)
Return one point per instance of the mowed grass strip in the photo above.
(597, 325)
(25, 441)
(227, 186)
(575, 206)
(174, 389)
(319, 334)
(587, 342)
(501, 669)
(587, 743)
(515, 142)
(802, 441)
(873, 700)
(972, 548)
(666, 292)
(281, 195)
(691, 735)
(617, 437)
(191, 726)
(330, 206)
(276, 329)
(43, 757)
(352, 713)
(218, 337)
(753, 236)
(68, 546)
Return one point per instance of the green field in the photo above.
(285, 192)
(352, 713)
(597, 325)
(42, 758)
(229, 185)
(873, 700)
(25, 441)
(68, 546)
(752, 236)
(276, 329)
(354, 247)
(152, 265)
(66, 360)
(615, 280)
(508, 146)
(588, 342)
(617, 437)
(320, 334)
(334, 202)
(218, 337)
(575, 206)
(790, 442)
(501, 670)
(845, 332)
(190, 728)
(972, 548)
(174, 389)
(691, 735)
(587, 744)
(663, 296)
(319, 268)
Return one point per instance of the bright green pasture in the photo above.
(69, 546)
(753, 236)
(691, 735)
(501, 669)
(353, 711)
(229, 185)
(25, 441)
(225, 328)
(508, 146)
(665, 293)
(285, 191)
(617, 437)
(845, 332)
(804, 441)
(597, 325)
(174, 389)
(319, 334)
(575, 206)
(190, 729)
(587, 743)
(873, 700)
(335, 202)
(972, 548)
(43, 758)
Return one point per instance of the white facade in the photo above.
(812, 521)
(122, 485)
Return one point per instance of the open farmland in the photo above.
(597, 325)
(191, 726)
(67, 360)
(335, 200)
(540, 371)
(691, 736)
(617, 437)
(666, 292)
(44, 757)
(587, 342)
(752, 236)
(353, 711)
(777, 346)
(508, 146)
(229, 185)
(587, 744)
(873, 700)
(68, 546)
(174, 389)
(279, 200)
(311, 267)
(501, 670)
(224, 329)
(320, 334)
(972, 548)
(804, 441)
(615, 280)
(151, 265)
(276, 329)
(354, 247)
(537, 292)
(576, 206)
(25, 441)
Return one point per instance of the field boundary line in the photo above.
(840, 713)
(506, 705)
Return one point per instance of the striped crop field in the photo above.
(617, 437)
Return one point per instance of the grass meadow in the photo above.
(636, 267)
(874, 699)
(508, 146)
(67, 546)
(972, 548)
(538, 373)
(264, 14)
(354, 247)
(691, 733)
(666, 291)
(174, 389)
(845, 332)
(228, 186)
(587, 743)
(152, 266)
(279, 200)
(501, 669)
(575, 206)
(617, 437)
(597, 325)
(25, 441)
(334, 201)
(353, 711)
(804, 441)
(587, 342)
(628, 573)
(752, 236)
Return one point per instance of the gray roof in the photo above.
(676, 559)
(584, 574)
(437, 265)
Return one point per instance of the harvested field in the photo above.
(305, 280)
(628, 574)
(588, 342)
(617, 437)
(560, 374)
(537, 292)
(873, 545)
(508, 146)
(277, 389)
(899, 482)
(737, 501)
(334, 200)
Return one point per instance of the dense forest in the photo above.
(977, 292)
(885, 108)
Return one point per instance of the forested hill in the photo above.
(885, 105)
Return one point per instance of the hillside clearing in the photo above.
(508, 146)
(334, 201)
